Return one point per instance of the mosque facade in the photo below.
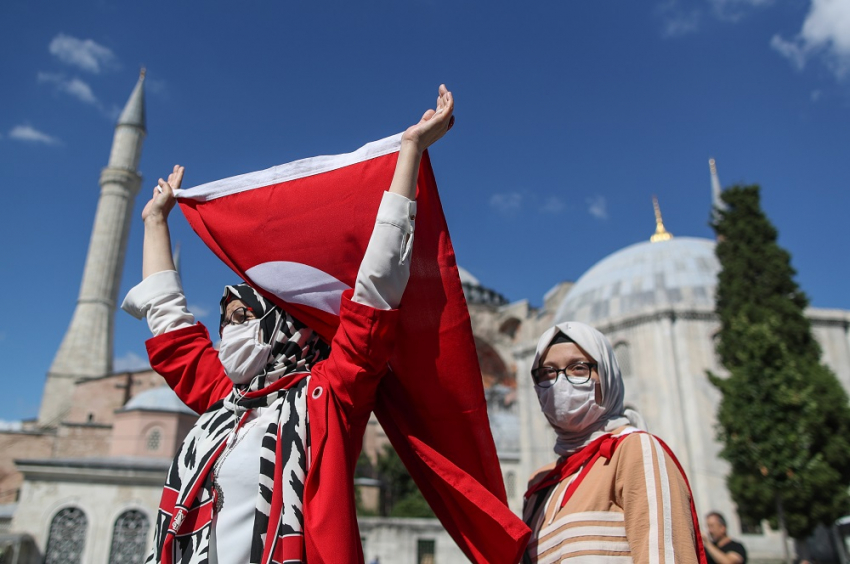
(82, 482)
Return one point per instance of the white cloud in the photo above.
(155, 85)
(553, 205)
(82, 53)
(682, 17)
(735, 10)
(791, 50)
(73, 87)
(30, 134)
(80, 90)
(597, 207)
(199, 311)
(816, 95)
(10, 425)
(130, 362)
(677, 24)
(506, 203)
(825, 33)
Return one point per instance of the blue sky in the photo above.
(570, 116)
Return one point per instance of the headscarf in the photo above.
(599, 348)
(295, 347)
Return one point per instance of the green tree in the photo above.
(400, 496)
(784, 418)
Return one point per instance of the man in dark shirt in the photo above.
(719, 548)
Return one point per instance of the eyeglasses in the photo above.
(575, 373)
(237, 317)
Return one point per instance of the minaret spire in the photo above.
(661, 234)
(716, 201)
(86, 350)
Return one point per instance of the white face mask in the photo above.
(242, 353)
(572, 408)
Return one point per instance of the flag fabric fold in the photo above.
(297, 232)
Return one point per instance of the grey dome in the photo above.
(646, 277)
(162, 398)
(466, 277)
(477, 294)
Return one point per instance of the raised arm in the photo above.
(433, 125)
(385, 268)
(156, 255)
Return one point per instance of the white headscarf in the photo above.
(613, 414)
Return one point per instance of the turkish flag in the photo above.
(297, 232)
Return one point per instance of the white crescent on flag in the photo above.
(298, 283)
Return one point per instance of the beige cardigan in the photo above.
(632, 508)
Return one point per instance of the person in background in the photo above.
(719, 548)
(617, 493)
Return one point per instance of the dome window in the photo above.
(624, 358)
(154, 439)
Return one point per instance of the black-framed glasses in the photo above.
(575, 373)
(238, 316)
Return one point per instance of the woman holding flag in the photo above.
(616, 494)
(266, 473)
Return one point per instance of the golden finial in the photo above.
(142, 73)
(661, 234)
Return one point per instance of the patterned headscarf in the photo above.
(295, 347)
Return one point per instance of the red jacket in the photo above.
(341, 395)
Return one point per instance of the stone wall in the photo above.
(95, 400)
(408, 541)
(15, 445)
(81, 440)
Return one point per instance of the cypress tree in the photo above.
(784, 418)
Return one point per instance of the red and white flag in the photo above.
(297, 232)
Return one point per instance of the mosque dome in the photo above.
(466, 277)
(162, 398)
(678, 273)
(477, 294)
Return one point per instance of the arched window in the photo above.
(624, 358)
(510, 484)
(154, 439)
(67, 537)
(129, 537)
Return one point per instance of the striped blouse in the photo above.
(634, 507)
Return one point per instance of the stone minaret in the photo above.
(717, 203)
(86, 349)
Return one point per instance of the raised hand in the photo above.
(162, 200)
(434, 123)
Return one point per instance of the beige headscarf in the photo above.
(614, 414)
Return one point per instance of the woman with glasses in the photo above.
(266, 473)
(616, 493)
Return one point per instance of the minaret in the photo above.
(86, 349)
(661, 234)
(716, 202)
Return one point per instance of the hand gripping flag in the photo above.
(297, 232)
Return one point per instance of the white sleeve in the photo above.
(385, 268)
(159, 297)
